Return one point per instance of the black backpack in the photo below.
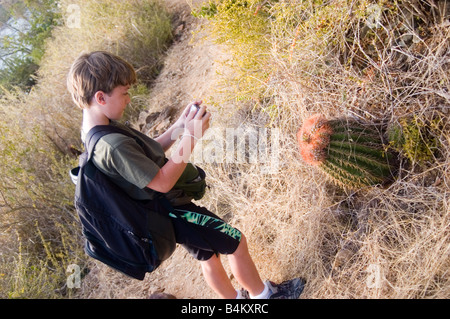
(129, 235)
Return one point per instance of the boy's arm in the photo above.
(169, 174)
(170, 136)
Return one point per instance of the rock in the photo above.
(342, 257)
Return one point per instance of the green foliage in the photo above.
(356, 156)
(264, 35)
(37, 216)
(207, 11)
(18, 73)
(22, 51)
(138, 31)
(243, 25)
(416, 138)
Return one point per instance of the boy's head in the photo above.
(97, 71)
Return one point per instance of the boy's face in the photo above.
(116, 102)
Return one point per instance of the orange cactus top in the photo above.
(313, 139)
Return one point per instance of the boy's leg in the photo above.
(202, 233)
(217, 278)
(244, 269)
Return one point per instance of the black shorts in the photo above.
(203, 233)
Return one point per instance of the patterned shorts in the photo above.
(203, 233)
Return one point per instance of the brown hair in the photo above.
(97, 71)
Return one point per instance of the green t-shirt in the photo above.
(122, 159)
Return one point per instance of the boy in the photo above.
(99, 84)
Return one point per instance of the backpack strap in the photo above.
(97, 132)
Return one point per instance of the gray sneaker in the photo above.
(290, 289)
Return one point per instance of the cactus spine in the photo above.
(351, 153)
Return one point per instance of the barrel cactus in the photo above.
(349, 152)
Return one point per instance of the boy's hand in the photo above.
(181, 121)
(188, 108)
(196, 120)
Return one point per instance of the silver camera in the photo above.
(195, 108)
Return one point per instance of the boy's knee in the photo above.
(243, 240)
(210, 263)
(242, 247)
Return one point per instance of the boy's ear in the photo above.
(99, 97)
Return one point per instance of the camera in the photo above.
(196, 107)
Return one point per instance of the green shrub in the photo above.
(416, 138)
(36, 203)
(244, 26)
(22, 52)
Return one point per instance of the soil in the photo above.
(189, 73)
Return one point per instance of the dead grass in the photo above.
(40, 232)
(376, 242)
(390, 242)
